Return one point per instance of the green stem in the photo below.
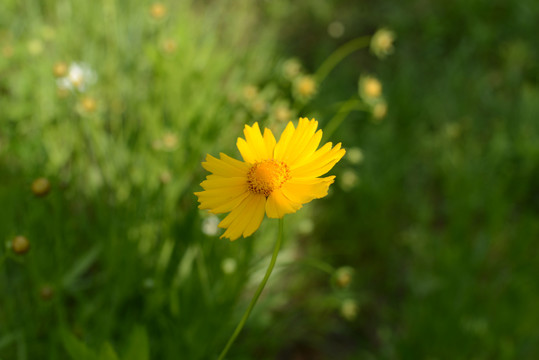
(257, 293)
(346, 108)
(338, 55)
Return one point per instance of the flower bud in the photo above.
(349, 309)
(343, 276)
(20, 245)
(158, 11)
(46, 292)
(60, 69)
(41, 186)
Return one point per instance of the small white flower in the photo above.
(209, 225)
(79, 76)
(355, 155)
(229, 265)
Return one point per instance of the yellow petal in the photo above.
(243, 166)
(258, 211)
(256, 143)
(279, 205)
(304, 190)
(309, 149)
(269, 139)
(284, 140)
(246, 152)
(320, 163)
(300, 140)
(245, 219)
(219, 205)
(222, 168)
(217, 182)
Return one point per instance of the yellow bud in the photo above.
(306, 86)
(41, 186)
(379, 111)
(20, 245)
(88, 104)
(60, 69)
(158, 11)
(343, 276)
(169, 46)
(349, 309)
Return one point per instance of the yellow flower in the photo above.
(274, 178)
(379, 110)
(41, 186)
(382, 43)
(370, 87)
(20, 245)
(305, 86)
(158, 10)
(60, 69)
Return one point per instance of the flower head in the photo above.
(370, 88)
(77, 78)
(158, 10)
(379, 110)
(41, 186)
(20, 245)
(305, 87)
(274, 178)
(382, 42)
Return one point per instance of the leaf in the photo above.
(76, 349)
(107, 352)
(138, 347)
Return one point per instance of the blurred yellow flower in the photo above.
(274, 178)
(336, 29)
(382, 42)
(291, 68)
(349, 180)
(343, 276)
(250, 92)
(355, 155)
(282, 113)
(169, 46)
(41, 186)
(370, 87)
(258, 107)
(379, 110)
(60, 69)
(20, 245)
(165, 177)
(35, 47)
(88, 104)
(306, 86)
(7, 51)
(158, 11)
(349, 309)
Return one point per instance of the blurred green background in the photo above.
(424, 249)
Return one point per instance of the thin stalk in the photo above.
(257, 293)
(346, 108)
(338, 55)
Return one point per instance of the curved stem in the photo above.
(257, 293)
(346, 108)
(338, 55)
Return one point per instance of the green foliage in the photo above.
(425, 247)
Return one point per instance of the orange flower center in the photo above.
(265, 176)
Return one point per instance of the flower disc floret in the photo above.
(265, 176)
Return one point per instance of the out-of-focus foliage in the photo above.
(425, 247)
